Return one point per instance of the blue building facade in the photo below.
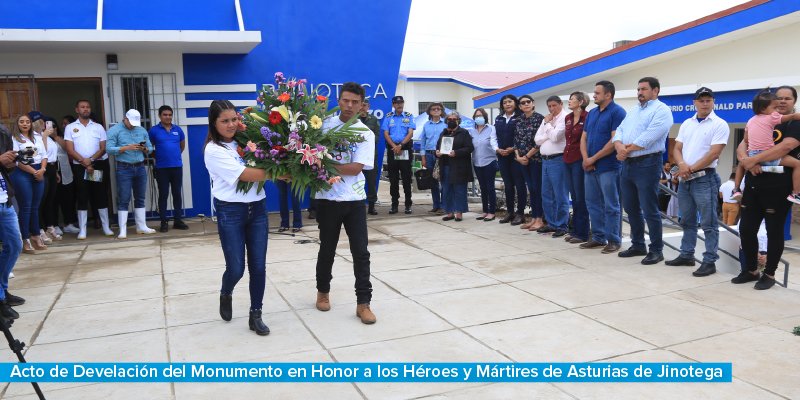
(188, 53)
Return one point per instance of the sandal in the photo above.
(295, 230)
(283, 229)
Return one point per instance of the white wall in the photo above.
(415, 92)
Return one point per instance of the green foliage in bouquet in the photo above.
(283, 135)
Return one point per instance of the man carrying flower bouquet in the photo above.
(343, 204)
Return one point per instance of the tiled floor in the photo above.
(443, 292)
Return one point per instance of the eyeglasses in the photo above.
(525, 102)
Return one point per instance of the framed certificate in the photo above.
(447, 145)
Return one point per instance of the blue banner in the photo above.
(366, 372)
(734, 107)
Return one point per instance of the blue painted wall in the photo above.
(325, 42)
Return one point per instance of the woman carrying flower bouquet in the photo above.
(456, 167)
(241, 216)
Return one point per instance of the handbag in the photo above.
(424, 178)
(437, 174)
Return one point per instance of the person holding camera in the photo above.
(128, 142)
(28, 179)
(9, 227)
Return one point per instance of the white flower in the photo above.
(251, 163)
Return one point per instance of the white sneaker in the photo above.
(71, 229)
(58, 230)
(10, 275)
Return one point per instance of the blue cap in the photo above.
(35, 116)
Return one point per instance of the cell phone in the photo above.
(48, 124)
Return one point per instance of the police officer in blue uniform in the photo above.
(398, 130)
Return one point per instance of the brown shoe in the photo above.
(366, 315)
(323, 302)
(591, 244)
(575, 240)
(610, 248)
(37, 242)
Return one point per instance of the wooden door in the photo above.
(17, 96)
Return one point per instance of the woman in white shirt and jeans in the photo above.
(241, 217)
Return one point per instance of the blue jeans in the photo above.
(514, 184)
(12, 245)
(486, 176)
(169, 178)
(243, 226)
(555, 193)
(430, 162)
(700, 195)
(532, 173)
(284, 190)
(29, 194)
(602, 202)
(580, 215)
(454, 195)
(639, 183)
(129, 177)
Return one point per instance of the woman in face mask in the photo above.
(484, 159)
(454, 150)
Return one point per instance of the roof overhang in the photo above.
(124, 41)
(735, 23)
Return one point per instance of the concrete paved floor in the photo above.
(443, 292)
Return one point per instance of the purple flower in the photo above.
(279, 78)
(273, 152)
(320, 148)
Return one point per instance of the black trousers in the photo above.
(48, 210)
(331, 215)
(371, 177)
(66, 201)
(396, 169)
(86, 190)
(770, 205)
(169, 178)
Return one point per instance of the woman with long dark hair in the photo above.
(28, 181)
(529, 159)
(241, 217)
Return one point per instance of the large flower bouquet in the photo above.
(283, 135)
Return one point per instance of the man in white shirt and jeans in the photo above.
(700, 141)
(344, 205)
(555, 193)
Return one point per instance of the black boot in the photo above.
(256, 324)
(371, 210)
(6, 311)
(226, 306)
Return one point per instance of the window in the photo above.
(144, 93)
(450, 105)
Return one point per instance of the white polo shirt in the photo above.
(698, 137)
(86, 139)
(351, 187)
(224, 167)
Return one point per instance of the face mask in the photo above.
(452, 124)
(480, 120)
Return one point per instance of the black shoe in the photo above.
(546, 229)
(448, 217)
(653, 258)
(559, 233)
(371, 208)
(393, 210)
(14, 301)
(179, 224)
(705, 269)
(518, 220)
(764, 282)
(408, 210)
(631, 252)
(256, 324)
(508, 218)
(7, 312)
(433, 210)
(283, 229)
(682, 261)
(226, 306)
(744, 277)
(164, 226)
(591, 244)
(312, 214)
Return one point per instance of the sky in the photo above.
(534, 36)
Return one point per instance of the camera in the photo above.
(25, 156)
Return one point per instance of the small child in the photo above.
(758, 136)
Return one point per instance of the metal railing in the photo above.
(730, 230)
